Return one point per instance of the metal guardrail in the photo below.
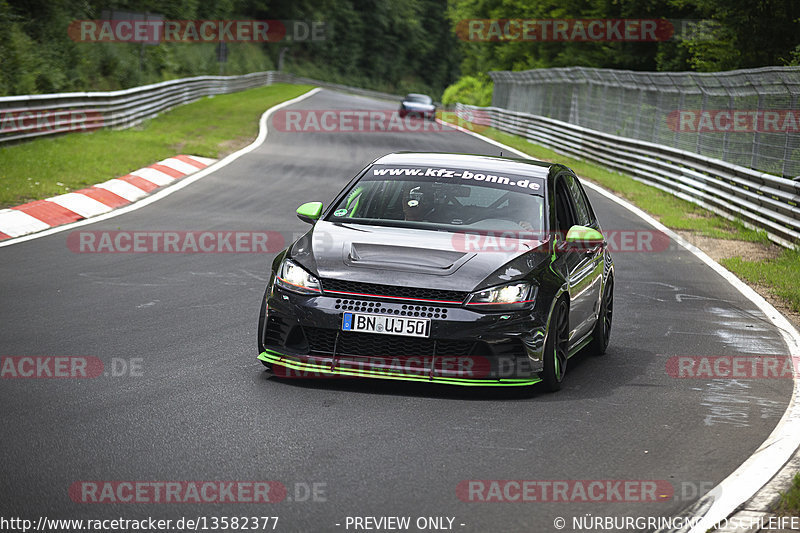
(759, 200)
(31, 116)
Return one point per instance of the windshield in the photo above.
(440, 205)
(418, 99)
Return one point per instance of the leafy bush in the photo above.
(472, 90)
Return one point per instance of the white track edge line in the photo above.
(784, 440)
(178, 185)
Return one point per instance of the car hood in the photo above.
(411, 257)
(415, 106)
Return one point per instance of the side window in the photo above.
(583, 213)
(592, 216)
(565, 215)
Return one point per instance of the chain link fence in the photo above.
(749, 118)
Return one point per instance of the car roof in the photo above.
(525, 167)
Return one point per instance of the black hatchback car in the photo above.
(444, 268)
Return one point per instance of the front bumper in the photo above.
(429, 114)
(302, 338)
(299, 367)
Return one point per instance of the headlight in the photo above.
(512, 296)
(295, 278)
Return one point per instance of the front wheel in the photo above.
(556, 348)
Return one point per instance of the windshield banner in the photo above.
(527, 184)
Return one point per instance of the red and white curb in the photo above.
(96, 200)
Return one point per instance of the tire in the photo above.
(262, 325)
(556, 347)
(602, 328)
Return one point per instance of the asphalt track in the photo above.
(204, 410)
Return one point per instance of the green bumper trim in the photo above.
(276, 358)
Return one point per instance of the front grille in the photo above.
(363, 306)
(321, 342)
(395, 291)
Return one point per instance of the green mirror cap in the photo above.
(581, 234)
(310, 210)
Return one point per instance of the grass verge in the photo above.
(779, 276)
(210, 127)
(790, 500)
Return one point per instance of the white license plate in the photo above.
(387, 325)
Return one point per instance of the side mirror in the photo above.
(309, 212)
(583, 238)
